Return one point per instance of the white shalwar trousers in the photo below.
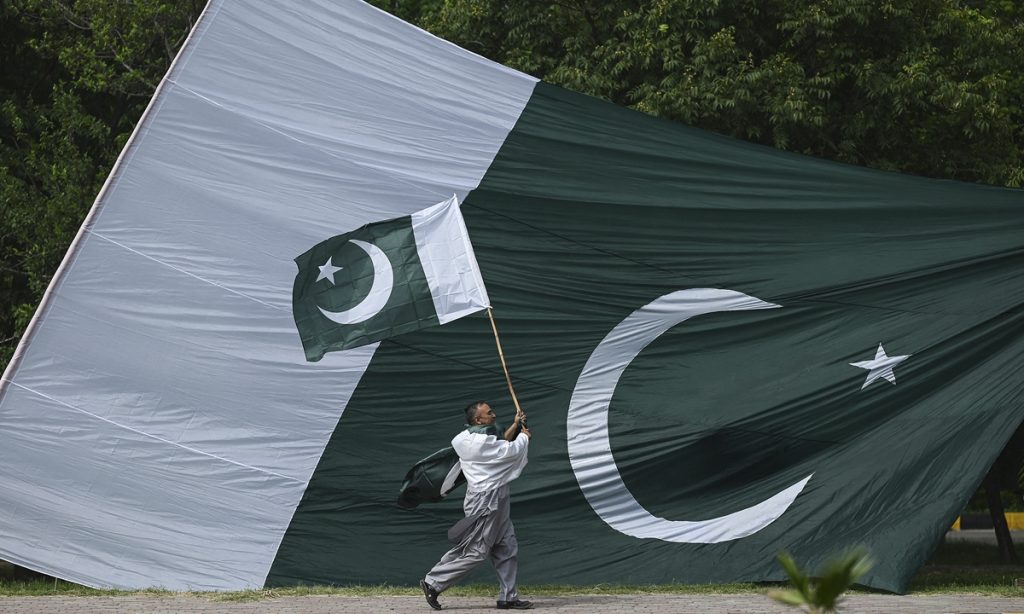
(485, 533)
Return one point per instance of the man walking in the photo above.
(489, 463)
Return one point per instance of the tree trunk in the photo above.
(995, 507)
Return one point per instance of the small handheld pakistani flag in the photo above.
(385, 279)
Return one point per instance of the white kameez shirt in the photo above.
(488, 461)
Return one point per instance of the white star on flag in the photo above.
(880, 367)
(328, 270)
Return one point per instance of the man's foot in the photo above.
(518, 604)
(431, 595)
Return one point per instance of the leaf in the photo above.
(839, 574)
(788, 597)
(800, 580)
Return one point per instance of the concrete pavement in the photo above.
(589, 604)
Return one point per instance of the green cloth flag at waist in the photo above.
(386, 279)
(436, 476)
(431, 479)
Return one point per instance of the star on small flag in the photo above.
(328, 270)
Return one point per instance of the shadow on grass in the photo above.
(969, 567)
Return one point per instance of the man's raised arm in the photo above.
(512, 431)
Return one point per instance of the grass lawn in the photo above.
(953, 568)
(969, 568)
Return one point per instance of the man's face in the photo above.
(484, 414)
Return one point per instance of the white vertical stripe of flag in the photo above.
(446, 253)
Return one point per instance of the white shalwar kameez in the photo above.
(489, 464)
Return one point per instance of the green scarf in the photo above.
(486, 429)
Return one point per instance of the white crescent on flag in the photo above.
(590, 450)
(380, 291)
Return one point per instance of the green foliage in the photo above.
(834, 579)
(407, 10)
(930, 87)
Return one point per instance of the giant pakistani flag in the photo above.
(724, 350)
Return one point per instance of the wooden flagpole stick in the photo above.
(504, 367)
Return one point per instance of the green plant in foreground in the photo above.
(835, 578)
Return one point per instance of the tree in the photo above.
(1006, 474)
(929, 87)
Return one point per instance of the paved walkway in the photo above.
(589, 604)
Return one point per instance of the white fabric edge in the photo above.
(449, 480)
(496, 65)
